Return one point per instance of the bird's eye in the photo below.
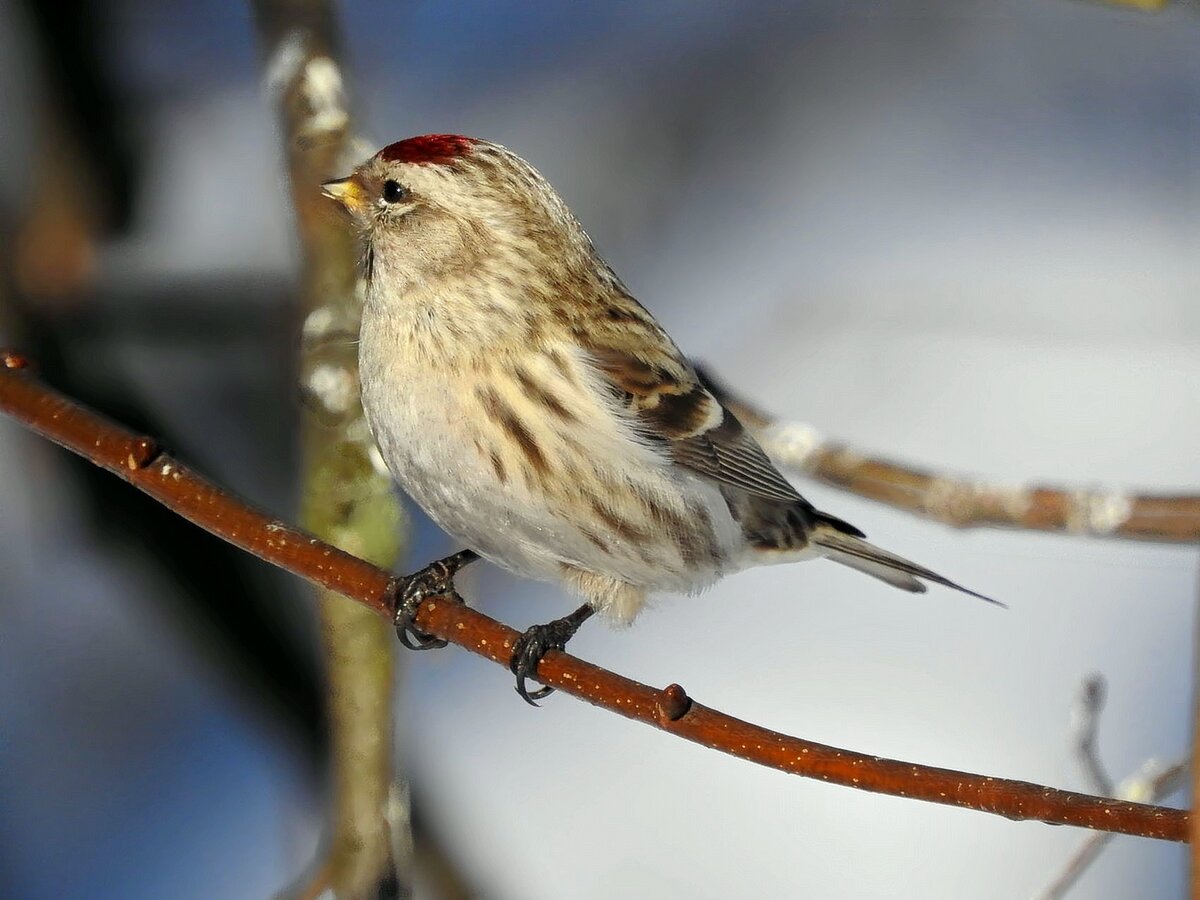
(394, 191)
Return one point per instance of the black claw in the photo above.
(408, 593)
(535, 643)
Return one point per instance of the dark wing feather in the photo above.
(728, 454)
(672, 406)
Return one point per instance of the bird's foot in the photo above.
(536, 642)
(407, 593)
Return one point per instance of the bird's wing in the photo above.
(672, 406)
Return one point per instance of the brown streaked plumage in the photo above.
(502, 414)
(542, 396)
(496, 341)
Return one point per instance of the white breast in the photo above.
(604, 502)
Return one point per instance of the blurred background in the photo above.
(958, 234)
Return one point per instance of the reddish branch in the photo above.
(139, 461)
(969, 503)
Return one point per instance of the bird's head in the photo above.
(443, 203)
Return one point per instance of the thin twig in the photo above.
(1077, 863)
(966, 502)
(1084, 726)
(1162, 782)
(1153, 783)
(136, 459)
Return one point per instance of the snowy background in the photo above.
(959, 234)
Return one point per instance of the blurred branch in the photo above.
(345, 499)
(964, 502)
(1085, 724)
(1143, 5)
(54, 249)
(137, 459)
(1152, 783)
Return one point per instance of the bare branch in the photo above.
(137, 459)
(1084, 725)
(1153, 783)
(1085, 854)
(1161, 781)
(965, 502)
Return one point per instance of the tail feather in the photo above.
(856, 553)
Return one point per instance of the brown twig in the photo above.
(137, 459)
(969, 503)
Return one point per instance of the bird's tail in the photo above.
(851, 550)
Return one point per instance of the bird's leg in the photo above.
(408, 592)
(539, 640)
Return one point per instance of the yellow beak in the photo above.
(348, 192)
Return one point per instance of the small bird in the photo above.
(540, 414)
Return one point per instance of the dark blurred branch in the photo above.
(78, 189)
(1086, 724)
(84, 111)
(220, 603)
(345, 499)
(964, 502)
(136, 459)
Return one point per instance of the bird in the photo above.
(537, 412)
